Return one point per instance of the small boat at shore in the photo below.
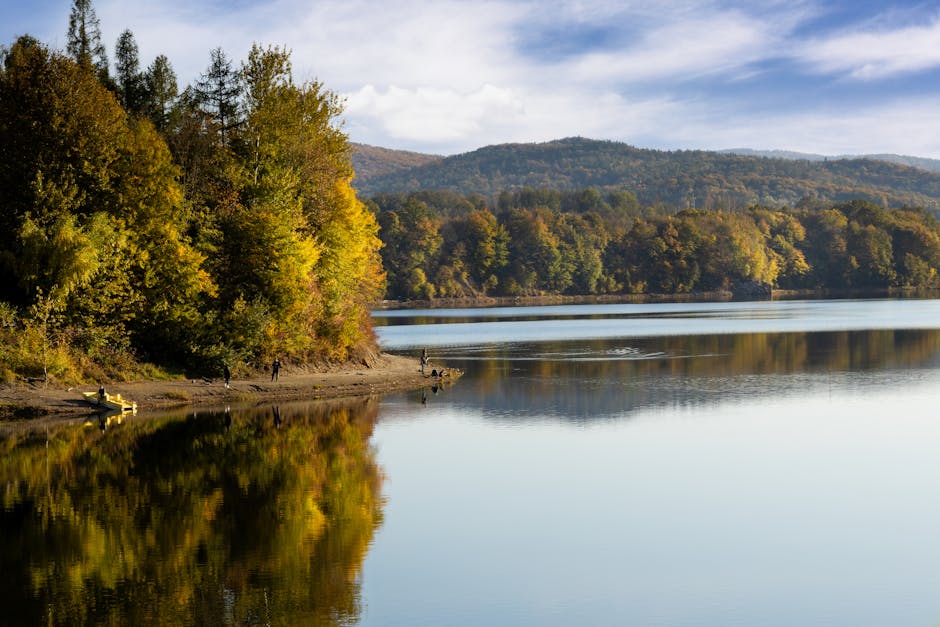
(111, 402)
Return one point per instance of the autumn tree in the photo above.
(91, 200)
(412, 238)
(535, 262)
(47, 187)
(784, 236)
(296, 243)
(658, 256)
(916, 240)
(585, 242)
(487, 248)
(234, 234)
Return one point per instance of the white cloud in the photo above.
(186, 31)
(903, 126)
(449, 122)
(700, 46)
(346, 43)
(452, 75)
(876, 54)
(433, 115)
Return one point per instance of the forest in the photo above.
(537, 241)
(152, 231)
(682, 179)
(182, 228)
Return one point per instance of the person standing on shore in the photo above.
(227, 374)
(424, 359)
(275, 369)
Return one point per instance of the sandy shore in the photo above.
(390, 373)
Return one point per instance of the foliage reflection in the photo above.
(259, 516)
(603, 378)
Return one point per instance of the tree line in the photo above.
(680, 179)
(584, 242)
(187, 228)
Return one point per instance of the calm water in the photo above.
(697, 464)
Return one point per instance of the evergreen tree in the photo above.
(161, 91)
(84, 38)
(130, 81)
(217, 92)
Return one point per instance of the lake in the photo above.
(771, 463)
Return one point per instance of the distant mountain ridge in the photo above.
(685, 178)
(372, 161)
(916, 162)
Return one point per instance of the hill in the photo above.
(917, 162)
(675, 178)
(370, 162)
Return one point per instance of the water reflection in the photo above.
(242, 517)
(585, 380)
(406, 329)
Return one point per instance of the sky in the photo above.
(448, 76)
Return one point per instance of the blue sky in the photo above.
(446, 76)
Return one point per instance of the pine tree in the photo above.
(217, 92)
(130, 81)
(162, 90)
(84, 38)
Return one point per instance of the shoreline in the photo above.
(688, 297)
(27, 402)
(22, 403)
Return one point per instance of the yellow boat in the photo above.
(110, 402)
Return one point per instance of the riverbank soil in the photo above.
(389, 373)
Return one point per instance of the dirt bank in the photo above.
(389, 373)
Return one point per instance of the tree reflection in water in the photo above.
(600, 379)
(257, 516)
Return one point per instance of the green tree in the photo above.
(535, 262)
(582, 241)
(266, 259)
(487, 248)
(208, 167)
(915, 235)
(412, 239)
(871, 261)
(84, 42)
(161, 91)
(60, 134)
(53, 255)
(267, 253)
(293, 169)
(93, 200)
(660, 256)
(217, 92)
(130, 80)
(167, 271)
